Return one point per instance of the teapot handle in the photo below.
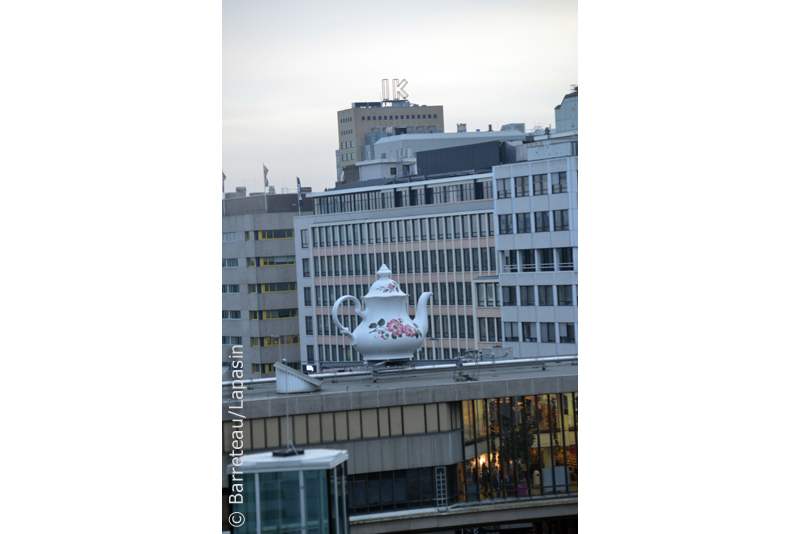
(342, 329)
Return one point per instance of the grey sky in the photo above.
(287, 67)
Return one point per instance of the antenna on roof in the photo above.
(574, 88)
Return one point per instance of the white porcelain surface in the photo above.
(386, 331)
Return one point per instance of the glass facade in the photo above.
(519, 447)
(291, 502)
(404, 489)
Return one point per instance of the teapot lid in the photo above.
(385, 286)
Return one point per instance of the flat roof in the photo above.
(418, 384)
(311, 459)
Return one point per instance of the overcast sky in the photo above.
(288, 67)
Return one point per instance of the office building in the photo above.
(536, 209)
(430, 449)
(259, 281)
(435, 235)
(364, 123)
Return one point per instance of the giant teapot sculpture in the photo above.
(386, 331)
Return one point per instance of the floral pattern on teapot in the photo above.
(394, 329)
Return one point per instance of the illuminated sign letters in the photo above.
(397, 92)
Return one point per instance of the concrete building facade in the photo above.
(363, 118)
(435, 235)
(536, 210)
(259, 282)
(429, 451)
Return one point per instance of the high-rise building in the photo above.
(435, 235)
(259, 282)
(363, 123)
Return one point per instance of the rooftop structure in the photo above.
(364, 123)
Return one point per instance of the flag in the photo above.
(266, 170)
(299, 196)
(223, 181)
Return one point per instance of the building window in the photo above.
(260, 235)
(304, 238)
(228, 237)
(546, 259)
(559, 182)
(306, 268)
(504, 188)
(540, 184)
(307, 296)
(566, 332)
(270, 261)
(565, 295)
(548, 331)
(565, 262)
(506, 224)
(542, 219)
(271, 288)
(309, 326)
(529, 332)
(524, 223)
(510, 331)
(231, 340)
(228, 263)
(527, 296)
(231, 314)
(545, 295)
(560, 220)
(230, 288)
(509, 295)
(521, 186)
(264, 315)
(310, 351)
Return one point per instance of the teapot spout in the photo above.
(421, 319)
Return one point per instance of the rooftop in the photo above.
(417, 384)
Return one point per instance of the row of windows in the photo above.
(548, 332)
(541, 221)
(259, 235)
(416, 261)
(231, 314)
(271, 288)
(230, 288)
(347, 144)
(349, 425)
(437, 228)
(540, 259)
(230, 262)
(342, 353)
(228, 237)
(452, 293)
(268, 341)
(404, 489)
(398, 117)
(346, 119)
(263, 315)
(528, 294)
(345, 132)
(522, 185)
(350, 156)
(231, 340)
(404, 196)
(270, 261)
